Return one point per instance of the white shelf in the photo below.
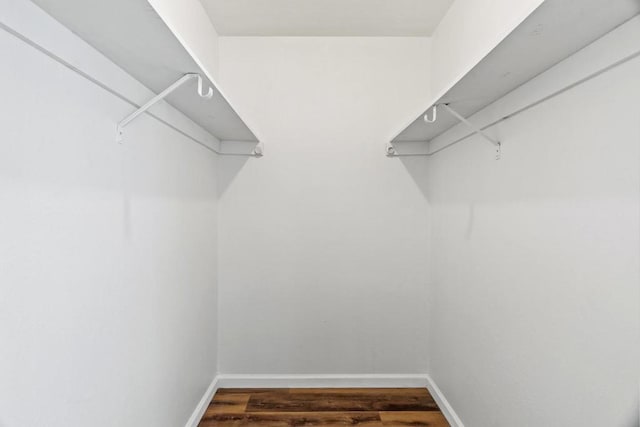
(133, 36)
(557, 29)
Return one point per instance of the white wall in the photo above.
(513, 283)
(536, 257)
(323, 242)
(107, 251)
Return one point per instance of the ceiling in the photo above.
(326, 17)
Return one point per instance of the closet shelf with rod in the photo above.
(132, 35)
(536, 45)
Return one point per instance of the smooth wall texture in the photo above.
(323, 242)
(536, 257)
(108, 251)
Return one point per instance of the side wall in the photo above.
(323, 249)
(536, 257)
(107, 251)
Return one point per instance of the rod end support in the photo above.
(390, 150)
(119, 134)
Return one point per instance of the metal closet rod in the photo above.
(480, 130)
(122, 97)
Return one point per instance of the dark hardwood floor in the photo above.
(365, 407)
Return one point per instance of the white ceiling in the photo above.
(326, 17)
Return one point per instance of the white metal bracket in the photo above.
(124, 122)
(391, 151)
(476, 129)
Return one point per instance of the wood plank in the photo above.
(235, 403)
(412, 391)
(250, 390)
(414, 419)
(344, 400)
(301, 407)
(293, 419)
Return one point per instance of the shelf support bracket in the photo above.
(391, 151)
(475, 129)
(124, 122)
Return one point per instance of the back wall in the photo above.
(324, 241)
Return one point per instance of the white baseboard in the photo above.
(325, 381)
(197, 414)
(443, 404)
(321, 381)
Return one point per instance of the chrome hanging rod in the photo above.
(391, 152)
(9, 30)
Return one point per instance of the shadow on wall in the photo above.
(231, 165)
(424, 172)
(418, 166)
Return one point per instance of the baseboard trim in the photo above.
(197, 414)
(443, 404)
(326, 381)
(321, 381)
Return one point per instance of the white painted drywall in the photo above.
(107, 251)
(329, 18)
(468, 32)
(323, 242)
(536, 257)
